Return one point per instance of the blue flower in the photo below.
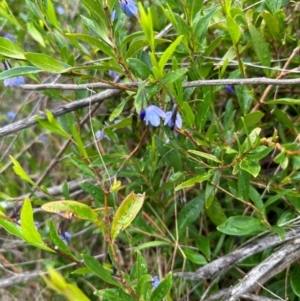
(10, 37)
(65, 237)
(11, 115)
(153, 115)
(13, 81)
(129, 7)
(173, 119)
(101, 135)
(60, 10)
(113, 74)
(43, 138)
(155, 281)
(230, 89)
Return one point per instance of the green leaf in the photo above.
(81, 165)
(191, 182)
(94, 191)
(70, 209)
(190, 212)
(94, 265)
(190, 116)
(272, 25)
(294, 278)
(57, 282)
(242, 225)
(31, 235)
(35, 33)
(251, 166)
(234, 30)
(163, 288)
(11, 227)
(203, 110)
(119, 109)
(205, 155)
(256, 199)
(79, 142)
(274, 5)
(250, 120)
(126, 213)
(284, 101)
(20, 171)
(50, 13)
(147, 25)
(10, 49)
(46, 62)
(101, 45)
(243, 185)
(19, 71)
(65, 190)
(174, 75)
(284, 119)
(52, 124)
(139, 68)
(193, 7)
(109, 294)
(168, 52)
(216, 213)
(57, 241)
(200, 25)
(194, 257)
(261, 47)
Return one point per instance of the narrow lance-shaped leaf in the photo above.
(58, 241)
(95, 267)
(20, 171)
(261, 47)
(233, 29)
(18, 71)
(29, 230)
(168, 52)
(70, 209)
(46, 62)
(10, 49)
(126, 213)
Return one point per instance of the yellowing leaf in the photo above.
(126, 213)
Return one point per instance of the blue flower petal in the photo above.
(11, 115)
(155, 281)
(153, 115)
(14, 81)
(158, 111)
(178, 121)
(152, 118)
(230, 89)
(129, 7)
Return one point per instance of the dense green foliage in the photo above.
(154, 196)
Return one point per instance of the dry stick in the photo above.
(249, 296)
(224, 263)
(61, 110)
(271, 266)
(196, 83)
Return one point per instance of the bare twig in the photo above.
(61, 110)
(270, 267)
(222, 264)
(248, 296)
(197, 83)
